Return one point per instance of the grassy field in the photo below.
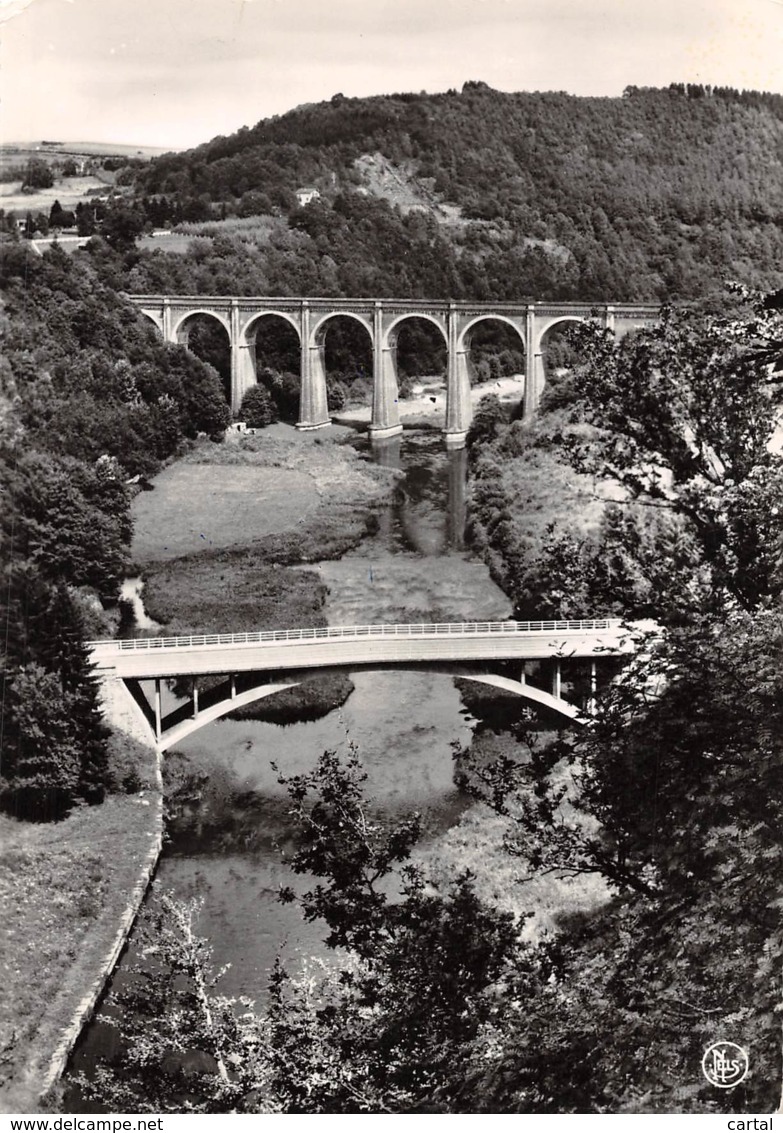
(229, 592)
(252, 230)
(67, 190)
(199, 507)
(174, 242)
(544, 489)
(294, 493)
(63, 889)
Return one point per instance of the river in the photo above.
(227, 847)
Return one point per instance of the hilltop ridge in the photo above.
(655, 195)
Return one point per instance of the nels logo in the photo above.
(725, 1065)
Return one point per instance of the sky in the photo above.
(177, 72)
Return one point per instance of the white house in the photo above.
(305, 196)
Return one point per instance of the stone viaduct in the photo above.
(382, 319)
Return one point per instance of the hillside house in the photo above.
(306, 195)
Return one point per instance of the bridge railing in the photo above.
(461, 629)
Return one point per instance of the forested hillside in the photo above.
(90, 398)
(658, 194)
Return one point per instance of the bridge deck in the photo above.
(342, 646)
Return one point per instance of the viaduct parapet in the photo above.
(241, 317)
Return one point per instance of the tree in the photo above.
(85, 219)
(285, 389)
(640, 563)
(258, 409)
(37, 175)
(60, 217)
(428, 962)
(121, 227)
(490, 413)
(40, 746)
(183, 1048)
(55, 741)
(685, 413)
(66, 519)
(254, 203)
(674, 802)
(336, 394)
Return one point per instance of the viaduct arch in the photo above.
(382, 319)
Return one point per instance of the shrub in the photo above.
(258, 409)
(337, 395)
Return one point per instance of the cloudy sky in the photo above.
(177, 72)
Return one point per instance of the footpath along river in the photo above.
(226, 846)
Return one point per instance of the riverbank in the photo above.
(523, 497)
(427, 403)
(70, 892)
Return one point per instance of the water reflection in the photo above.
(457, 503)
(388, 452)
(430, 508)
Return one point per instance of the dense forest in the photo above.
(91, 398)
(437, 1003)
(656, 195)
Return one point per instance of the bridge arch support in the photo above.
(385, 407)
(536, 362)
(314, 408)
(156, 321)
(182, 723)
(462, 355)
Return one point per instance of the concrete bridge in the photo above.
(241, 317)
(255, 664)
